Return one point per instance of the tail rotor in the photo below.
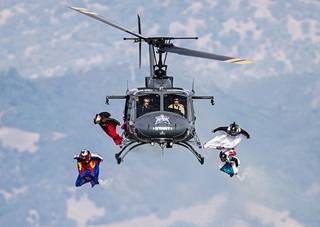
(139, 40)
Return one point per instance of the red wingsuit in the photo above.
(109, 126)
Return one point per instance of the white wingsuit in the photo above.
(226, 139)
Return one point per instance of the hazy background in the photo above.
(57, 65)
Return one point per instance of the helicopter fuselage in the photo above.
(159, 113)
(153, 115)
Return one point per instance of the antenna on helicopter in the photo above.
(193, 86)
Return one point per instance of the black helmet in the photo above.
(234, 129)
(100, 118)
(223, 156)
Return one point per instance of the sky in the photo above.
(74, 61)
(276, 35)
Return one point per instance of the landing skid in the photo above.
(193, 151)
(120, 158)
(118, 155)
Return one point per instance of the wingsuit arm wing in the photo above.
(220, 129)
(96, 156)
(244, 132)
(113, 120)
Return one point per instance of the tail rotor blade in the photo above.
(139, 30)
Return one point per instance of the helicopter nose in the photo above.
(161, 125)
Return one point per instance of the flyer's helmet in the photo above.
(234, 129)
(97, 119)
(101, 117)
(106, 114)
(85, 155)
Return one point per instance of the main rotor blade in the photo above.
(200, 54)
(107, 21)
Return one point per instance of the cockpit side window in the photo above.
(126, 111)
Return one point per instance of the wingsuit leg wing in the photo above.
(86, 177)
(229, 169)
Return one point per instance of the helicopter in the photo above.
(161, 122)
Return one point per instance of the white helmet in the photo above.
(84, 154)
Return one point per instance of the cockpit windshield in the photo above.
(176, 104)
(147, 103)
(172, 102)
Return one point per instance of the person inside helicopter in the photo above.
(146, 107)
(125, 116)
(176, 106)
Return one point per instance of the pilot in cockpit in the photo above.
(176, 105)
